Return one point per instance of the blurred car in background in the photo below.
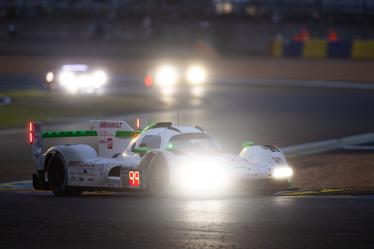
(77, 79)
(169, 79)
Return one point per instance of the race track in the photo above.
(232, 114)
(39, 220)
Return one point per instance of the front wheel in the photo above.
(158, 176)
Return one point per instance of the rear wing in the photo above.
(113, 137)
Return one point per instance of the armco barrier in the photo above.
(319, 48)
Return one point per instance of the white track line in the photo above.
(327, 145)
(299, 83)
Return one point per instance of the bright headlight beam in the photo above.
(282, 172)
(196, 74)
(202, 176)
(166, 75)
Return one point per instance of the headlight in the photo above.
(49, 77)
(196, 74)
(282, 172)
(166, 75)
(202, 176)
(99, 78)
(66, 78)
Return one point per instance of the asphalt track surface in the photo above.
(275, 115)
(39, 220)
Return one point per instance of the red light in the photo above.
(148, 81)
(134, 178)
(137, 123)
(31, 138)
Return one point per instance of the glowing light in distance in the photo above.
(282, 172)
(167, 91)
(66, 78)
(49, 77)
(148, 81)
(75, 68)
(196, 74)
(99, 78)
(166, 75)
(197, 91)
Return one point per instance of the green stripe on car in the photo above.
(83, 133)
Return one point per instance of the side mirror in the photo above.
(247, 144)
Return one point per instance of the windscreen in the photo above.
(194, 142)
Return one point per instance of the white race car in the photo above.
(161, 159)
(77, 79)
(176, 79)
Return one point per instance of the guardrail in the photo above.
(321, 48)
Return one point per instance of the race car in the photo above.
(76, 78)
(170, 79)
(161, 159)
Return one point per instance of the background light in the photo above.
(66, 78)
(100, 78)
(166, 75)
(196, 74)
(49, 77)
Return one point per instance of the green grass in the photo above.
(49, 106)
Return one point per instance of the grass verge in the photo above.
(48, 106)
(352, 171)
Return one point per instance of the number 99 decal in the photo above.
(134, 178)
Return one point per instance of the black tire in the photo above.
(58, 177)
(158, 176)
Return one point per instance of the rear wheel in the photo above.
(58, 177)
(158, 176)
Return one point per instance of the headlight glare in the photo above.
(196, 74)
(282, 172)
(166, 75)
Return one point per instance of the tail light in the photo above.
(31, 135)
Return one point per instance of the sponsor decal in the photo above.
(106, 124)
(109, 143)
(80, 165)
(90, 179)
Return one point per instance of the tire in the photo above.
(158, 176)
(58, 177)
